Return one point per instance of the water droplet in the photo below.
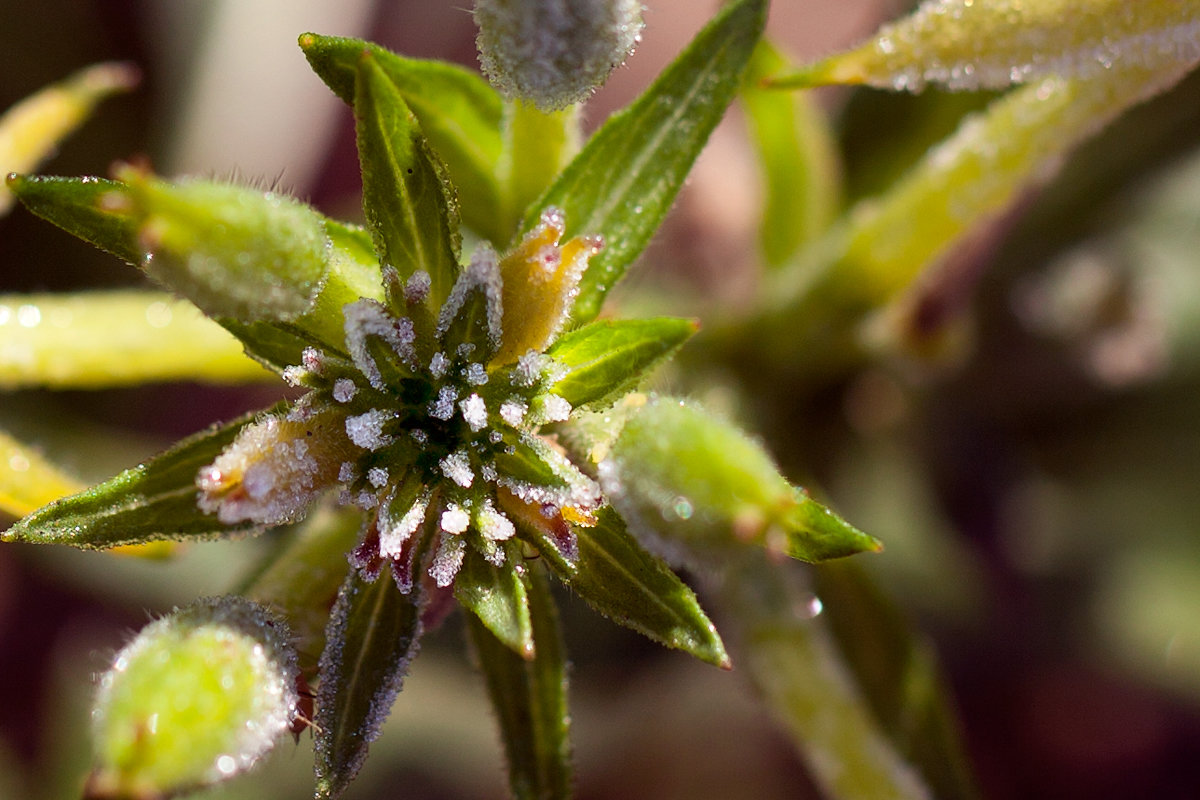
(682, 508)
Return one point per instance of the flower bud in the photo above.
(197, 697)
(555, 52)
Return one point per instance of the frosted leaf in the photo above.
(344, 390)
(417, 287)
(474, 411)
(366, 430)
(447, 560)
(513, 411)
(268, 474)
(530, 368)
(492, 524)
(457, 467)
(365, 318)
(442, 407)
(394, 533)
(481, 274)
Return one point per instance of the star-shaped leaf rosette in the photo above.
(463, 403)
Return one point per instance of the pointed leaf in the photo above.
(27, 480)
(115, 338)
(980, 44)
(798, 159)
(459, 112)
(412, 220)
(496, 595)
(530, 699)
(94, 209)
(607, 358)
(370, 641)
(623, 182)
(30, 130)
(155, 500)
(620, 579)
(701, 482)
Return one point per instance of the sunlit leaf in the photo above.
(537, 145)
(607, 358)
(623, 182)
(982, 44)
(530, 699)
(370, 640)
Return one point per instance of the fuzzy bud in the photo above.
(197, 697)
(555, 52)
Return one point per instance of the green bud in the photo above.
(555, 52)
(197, 697)
(233, 251)
(685, 476)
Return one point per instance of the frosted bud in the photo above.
(197, 697)
(555, 52)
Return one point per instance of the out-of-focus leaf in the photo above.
(155, 500)
(530, 699)
(27, 480)
(798, 158)
(114, 338)
(607, 358)
(370, 640)
(794, 662)
(699, 482)
(622, 183)
(981, 44)
(30, 130)
(94, 209)
(898, 674)
(537, 145)
(497, 596)
(617, 577)
(412, 220)
(460, 115)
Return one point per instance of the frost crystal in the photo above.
(454, 519)
(448, 559)
(513, 411)
(378, 477)
(493, 524)
(344, 390)
(529, 368)
(367, 317)
(474, 411)
(394, 533)
(417, 287)
(457, 467)
(443, 407)
(555, 408)
(366, 430)
(475, 373)
(438, 365)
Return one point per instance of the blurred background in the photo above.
(1036, 492)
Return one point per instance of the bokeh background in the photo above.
(1037, 492)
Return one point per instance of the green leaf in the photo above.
(981, 44)
(94, 209)
(798, 156)
(700, 481)
(622, 183)
(898, 674)
(412, 219)
(619, 578)
(497, 596)
(530, 699)
(794, 662)
(92, 340)
(154, 500)
(31, 129)
(460, 114)
(606, 358)
(370, 640)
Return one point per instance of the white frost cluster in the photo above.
(367, 317)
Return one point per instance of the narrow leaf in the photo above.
(154, 500)
(370, 641)
(412, 219)
(530, 698)
(459, 113)
(496, 595)
(115, 338)
(982, 44)
(623, 182)
(94, 209)
(537, 145)
(27, 480)
(620, 579)
(605, 359)
(798, 159)
(32, 129)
